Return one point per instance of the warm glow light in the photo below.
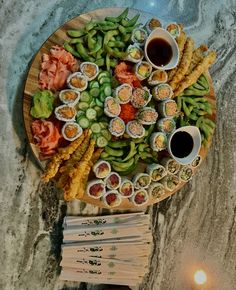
(200, 277)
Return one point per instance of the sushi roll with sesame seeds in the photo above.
(69, 96)
(117, 127)
(89, 69)
(71, 131)
(134, 129)
(77, 81)
(147, 116)
(158, 141)
(65, 113)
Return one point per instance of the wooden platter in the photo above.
(31, 86)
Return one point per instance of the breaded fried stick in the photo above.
(198, 55)
(195, 74)
(63, 154)
(184, 63)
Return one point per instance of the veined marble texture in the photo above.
(194, 228)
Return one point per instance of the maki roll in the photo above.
(147, 116)
(140, 97)
(171, 165)
(162, 92)
(196, 162)
(141, 180)
(157, 77)
(126, 188)
(139, 36)
(173, 29)
(134, 53)
(185, 173)
(112, 198)
(65, 113)
(143, 70)
(111, 107)
(71, 131)
(113, 180)
(156, 171)
(158, 141)
(168, 108)
(152, 24)
(156, 190)
(123, 93)
(140, 197)
(96, 188)
(101, 169)
(134, 129)
(117, 127)
(69, 96)
(170, 182)
(89, 69)
(77, 81)
(166, 125)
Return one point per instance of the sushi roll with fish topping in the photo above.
(89, 69)
(113, 180)
(158, 141)
(111, 107)
(96, 188)
(170, 182)
(168, 108)
(156, 171)
(185, 173)
(196, 162)
(166, 125)
(140, 97)
(147, 116)
(117, 127)
(77, 81)
(134, 53)
(171, 165)
(134, 129)
(143, 70)
(65, 113)
(102, 169)
(69, 96)
(139, 36)
(123, 93)
(157, 77)
(156, 190)
(112, 198)
(141, 180)
(126, 188)
(71, 131)
(162, 92)
(152, 24)
(174, 29)
(140, 197)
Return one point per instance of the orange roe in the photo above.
(128, 112)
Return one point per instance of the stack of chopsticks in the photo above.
(110, 249)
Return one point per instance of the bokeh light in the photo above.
(200, 277)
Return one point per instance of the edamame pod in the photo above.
(130, 22)
(118, 18)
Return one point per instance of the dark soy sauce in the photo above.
(181, 144)
(159, 51)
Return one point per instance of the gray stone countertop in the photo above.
(196, 226)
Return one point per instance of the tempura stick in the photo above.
(198, 55)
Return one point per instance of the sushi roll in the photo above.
(185, 173)
(162, 92)
(111, 107)
(156, 190)
(156, 171)
(77, 81)
(65, 113)
(102, 169)
(96, 188)
(134, 53)
(170, 182)
(140, 197)
(134, 129)
(196, 162)
(171, 165)
(158, 141)
(117, 127)
(69, 96)
(143, 70)
(89, 69)
(113, 180)
(166, 125)
(139, 36)
(173, 29)
(123, 93)
(152, 24)
(168, 108)
(71, 131)
(147, 116)
(141, 180)
(126, 188)
(157, 77)
(140, 97)
(112, 198)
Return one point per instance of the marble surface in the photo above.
(194, 228)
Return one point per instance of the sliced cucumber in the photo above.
(99, 111)
(103, 125)
(105, 133)
(85, 97)
(102, 141)
(103, 74)
(94, 84)
(95, 127)
(102, 97)
(104, 80)
(93, 103)
(99, 103)
(80, 114)
(95, 92)
(83, 106)
(83, 122)
(106, 88)
(91, 114)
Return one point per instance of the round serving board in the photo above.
(31, 86)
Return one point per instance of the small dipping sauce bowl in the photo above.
(161, 50)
